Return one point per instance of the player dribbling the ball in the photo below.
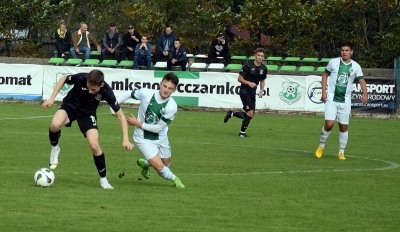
(80, 105)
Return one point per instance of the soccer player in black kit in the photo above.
(252, 74)
(80, 105)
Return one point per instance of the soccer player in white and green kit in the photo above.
(337, 85)
(156, 111)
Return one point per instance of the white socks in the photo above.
(324, 137)
(166, 173)
(343, 138)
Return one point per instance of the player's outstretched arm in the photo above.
(124, 126)
(155, 128)
(50, 101)
(121, 99)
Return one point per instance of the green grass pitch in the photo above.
(270, 181)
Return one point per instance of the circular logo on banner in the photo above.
(314, 92)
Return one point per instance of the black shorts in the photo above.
(86, 121)
(248, 100)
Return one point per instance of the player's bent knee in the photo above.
(95, 147)
(54, 127)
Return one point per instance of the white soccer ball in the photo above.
(44, 177)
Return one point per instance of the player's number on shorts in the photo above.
(93, 120)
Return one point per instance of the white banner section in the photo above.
(21, 81)
(205, 89)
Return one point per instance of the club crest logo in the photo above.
(342, 79)
(151, 118)
(290, 92)
(65, 89)
(98, 96)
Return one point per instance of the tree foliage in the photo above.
(306, 28)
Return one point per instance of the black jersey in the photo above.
(251, 72)
(82, 101)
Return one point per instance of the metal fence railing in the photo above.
(49, 47)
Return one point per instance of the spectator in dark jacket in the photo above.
(219, 47)
(130, 40)
(143, 54)
(164, 44)
(64, 39)
(177, 56)
(112, 41)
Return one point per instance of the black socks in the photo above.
(54, 137)
(100, 163)
(245, 123)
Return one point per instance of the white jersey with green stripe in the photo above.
(152, 109)
(341, 78)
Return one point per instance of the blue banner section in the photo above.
(21, 96)
(381, 96)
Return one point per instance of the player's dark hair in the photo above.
(172, 78)
(260, 50)
(346, 44)
(178, 40)
(95, 77)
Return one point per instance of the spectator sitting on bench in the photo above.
(164, 44)
(177, 56)
(63, 38)
(81, 42)
(130, 40)
(142, 54)
(112, 41)
(219, 47)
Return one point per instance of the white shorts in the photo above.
(149, 150)
(338, 111)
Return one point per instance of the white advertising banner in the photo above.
(21, 81)
(213, 89)
(205, 89)
(112, 76)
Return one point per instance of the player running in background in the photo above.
(156, 111)
(80, 105)
(337, 96)
(252, 74)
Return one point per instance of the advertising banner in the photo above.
(112, 76)
(21, 81)
(381, 96)
(205, 89)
